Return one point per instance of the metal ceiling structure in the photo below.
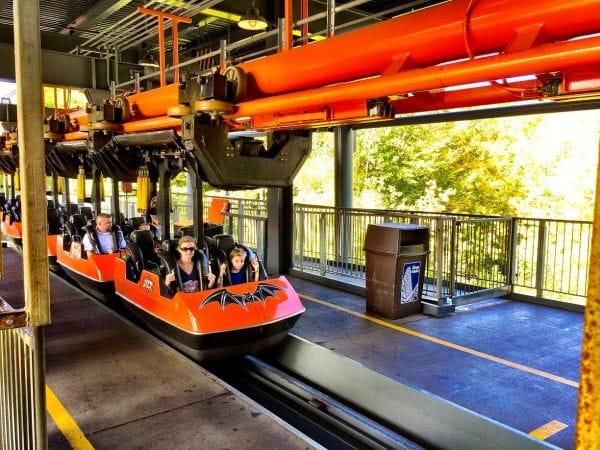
(99, 26)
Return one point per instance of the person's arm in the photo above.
(255, 268)
(211, 280)
(86, 243)
(222, 268)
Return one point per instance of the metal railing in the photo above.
(551, 258)
(23, 419)
(470, 256)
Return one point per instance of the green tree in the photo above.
(453, 167)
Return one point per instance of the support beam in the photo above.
(92, 16)
(345, 144)
(280, 216)
(588, 409)
(36, 285)
(32, 161)
(53, 72)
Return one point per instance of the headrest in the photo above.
(87, 211)
(224, 241)
(78, 220)
(169, 246)
(141, 237)
(209, 242)
(136, 222)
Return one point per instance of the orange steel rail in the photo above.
(424, 38)
(326, 83)
(563, 56)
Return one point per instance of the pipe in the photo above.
(426, 37)
(486, 95)
(153, 103)
(75, 136)
(547, 58)
(73, 146)
(152, 124)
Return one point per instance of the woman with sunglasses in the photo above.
(188, 270)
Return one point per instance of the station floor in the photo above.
(514, 362)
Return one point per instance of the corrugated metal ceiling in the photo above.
(110, 24)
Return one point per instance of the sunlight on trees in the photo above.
(528, 166)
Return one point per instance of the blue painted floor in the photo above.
(533, 383)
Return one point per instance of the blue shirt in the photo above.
(106, 242)
(237, 278)
(189, 281)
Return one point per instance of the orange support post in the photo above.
(161, 40)
(289, 23)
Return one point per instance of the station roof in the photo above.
(90, 26)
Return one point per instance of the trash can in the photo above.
(396, 255)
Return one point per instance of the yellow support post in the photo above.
(81, 184)
(587, 434)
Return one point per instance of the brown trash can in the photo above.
(396, 256)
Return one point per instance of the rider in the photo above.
(106, 241)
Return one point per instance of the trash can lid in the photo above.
(390, 236)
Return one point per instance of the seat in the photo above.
(141, 251)
(86, 211)
(54, 224)
(135, 222)
(79, 221)
(72, 231)
(168, 255)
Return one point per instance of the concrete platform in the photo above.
(514, 362)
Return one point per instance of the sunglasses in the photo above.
(187, 249)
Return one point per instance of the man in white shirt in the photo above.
(105, 240)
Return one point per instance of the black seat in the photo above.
(86, 211)
(141, 254)
(72, 231)
(168, 256)
(54, 224)
(135, 222)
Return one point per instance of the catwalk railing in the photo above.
(470, 257)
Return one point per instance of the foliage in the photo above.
(531, 166)
(63, 98)
(454, 167)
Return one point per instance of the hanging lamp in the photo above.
(252, 20)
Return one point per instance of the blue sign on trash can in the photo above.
(409, 291)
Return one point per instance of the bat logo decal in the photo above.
(260, 294)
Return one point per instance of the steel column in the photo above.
(280, 215)
(32, 160)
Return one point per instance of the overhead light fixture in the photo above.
(147, 60)
(252, 20)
